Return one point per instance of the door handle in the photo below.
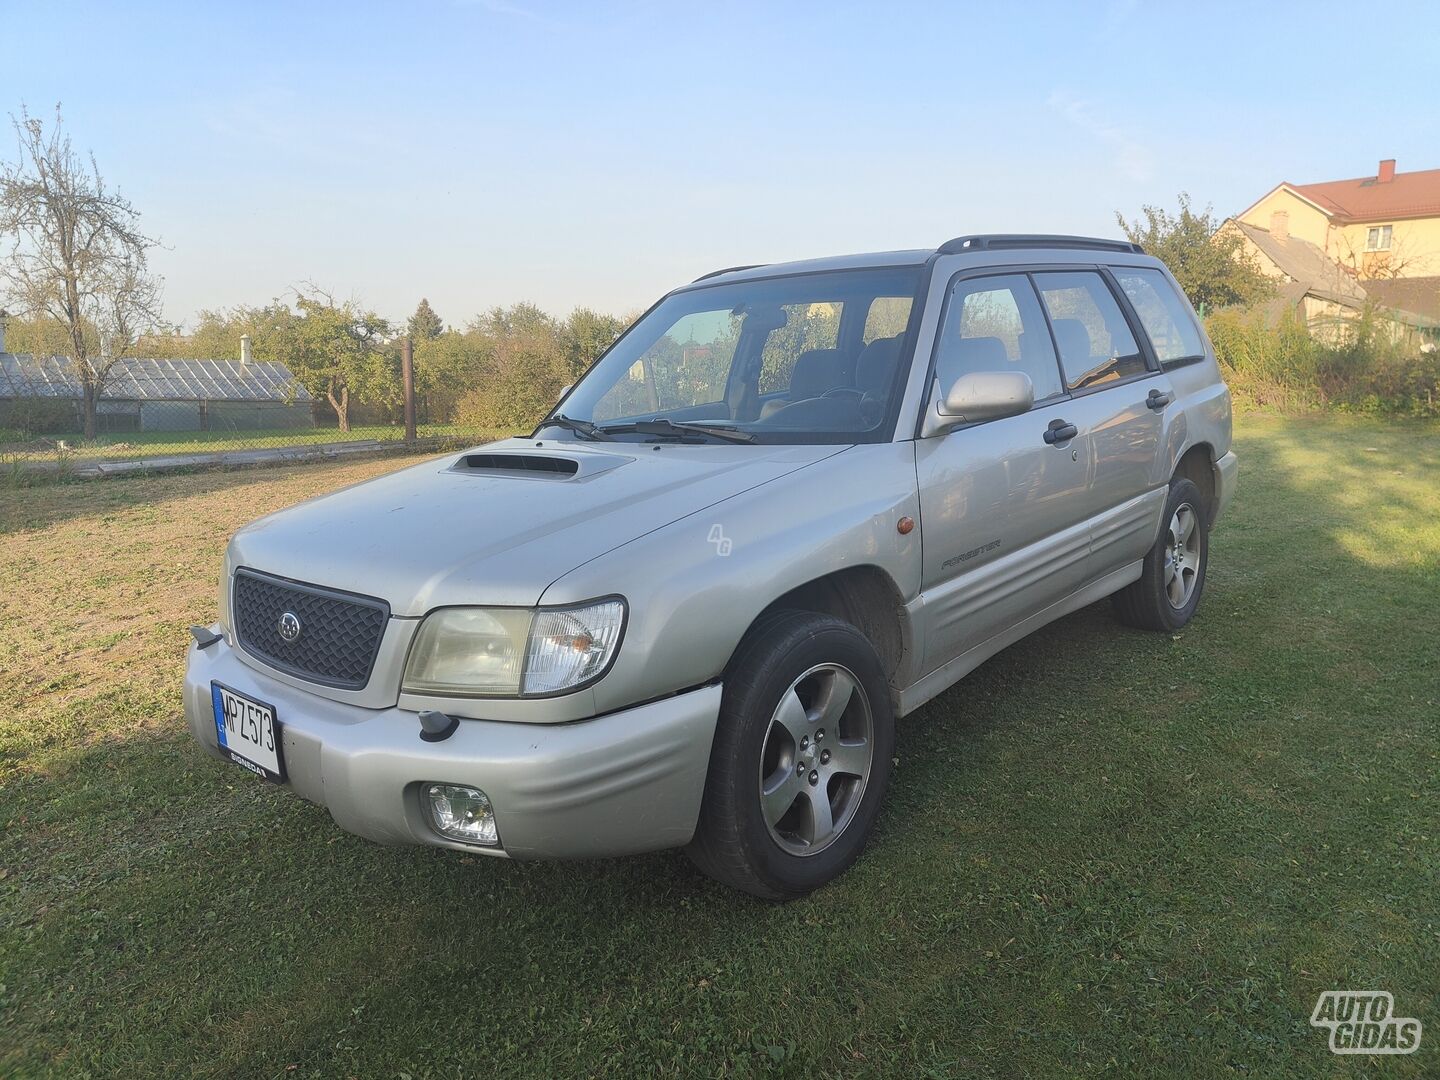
(1158, 399)
(1060, 431)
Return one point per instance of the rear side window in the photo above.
(995, 324)
(1162, 313)
(1095, 342)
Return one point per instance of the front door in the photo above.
(1003, 503)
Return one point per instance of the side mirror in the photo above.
(981, 395)
(563, 391)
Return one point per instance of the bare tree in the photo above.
(1401, 259)
(76, 253)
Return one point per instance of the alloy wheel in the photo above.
(1182, 556)
(816, 759)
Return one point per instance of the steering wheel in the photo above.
(836, 391)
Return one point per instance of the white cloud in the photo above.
(514, 11)
(1132, 158)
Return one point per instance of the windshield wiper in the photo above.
(679, 430)
(583, 428)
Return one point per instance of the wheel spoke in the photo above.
(833, 700)
(1171, 569)
(790, 714)
(1176, 590)
(822, 823)
(1185, 520)
(781, 789)
(850, 758)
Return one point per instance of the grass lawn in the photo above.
(1105, 853)
(143, 444)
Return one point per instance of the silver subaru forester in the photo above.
(787, 506)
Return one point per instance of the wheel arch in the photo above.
(1197, 465)
(864, 596)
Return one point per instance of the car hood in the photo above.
(497, 524)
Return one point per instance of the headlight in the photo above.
(513, 652)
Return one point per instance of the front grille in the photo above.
(339, 632)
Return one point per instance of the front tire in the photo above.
(802, 756)
(1168, 591)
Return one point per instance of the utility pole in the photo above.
(407, 377)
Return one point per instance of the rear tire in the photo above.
(1168, 591)
(802, 756)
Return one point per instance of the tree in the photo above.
(584, 336)
(43, 336)
(424, 325)
(525, 368)
(1211, 266)
(1402, 259)
(333, 350)
(447, 367)
(77, 256)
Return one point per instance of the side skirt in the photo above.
(948, 674)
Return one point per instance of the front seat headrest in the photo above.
(816, 371)
(875, 369)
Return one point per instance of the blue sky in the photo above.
(487, 151)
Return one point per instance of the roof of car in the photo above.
(1014, 245)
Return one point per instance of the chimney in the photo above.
(1387, 171)
(4, 315)
(1280, 224)
(245, 356)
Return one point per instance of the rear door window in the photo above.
(1164, 315)
(1095, 342)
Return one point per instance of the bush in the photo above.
(515, 398)
(1267, 366)
(1370, 372)
(1281, 366)
(24, 418)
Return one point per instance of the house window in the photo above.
(1378, 238)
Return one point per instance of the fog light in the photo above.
(461, 813)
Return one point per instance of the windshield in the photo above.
(805, 358)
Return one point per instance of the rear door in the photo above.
(1003, 503)
(1118, 398)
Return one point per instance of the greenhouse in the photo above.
(44, 394)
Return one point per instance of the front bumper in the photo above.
(626, 782)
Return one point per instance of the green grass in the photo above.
(1104, 853)
(143, 444)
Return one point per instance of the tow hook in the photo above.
(437, 726)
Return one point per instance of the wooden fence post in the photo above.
(407, 377)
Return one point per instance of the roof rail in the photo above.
(1010, 241)
(728, 270)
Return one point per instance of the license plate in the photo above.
(248, 732)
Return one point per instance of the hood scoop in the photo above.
(525, 465)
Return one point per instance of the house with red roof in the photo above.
(1339, 246)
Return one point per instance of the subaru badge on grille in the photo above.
(289, 627)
